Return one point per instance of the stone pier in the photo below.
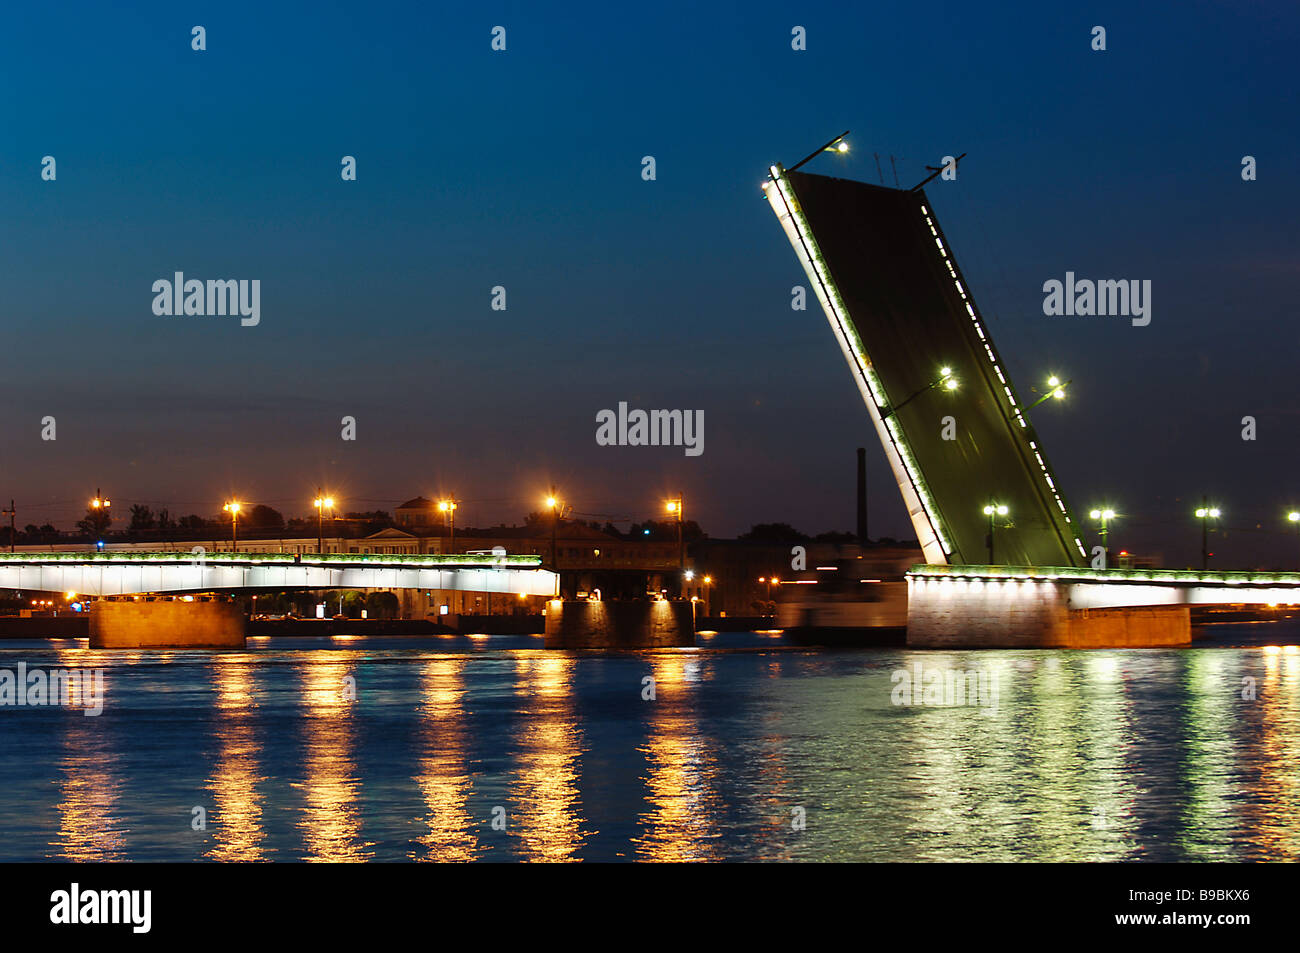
(166, 624)
(948, 612)
(634, 624)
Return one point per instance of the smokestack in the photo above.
(862, 496)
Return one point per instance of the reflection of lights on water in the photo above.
(331, 823)
(238, 832)
(443, 774)
(550, 825)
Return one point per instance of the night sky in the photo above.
(523, 169)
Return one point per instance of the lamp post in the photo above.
(10, 513)
(992, 510)
(1206, 513)
(100, 506)
(1055, 389)
(945, 380)
(674, 507)
(553, 501)
(233, 509)
(448, 508)
(1293, 517)
(322, 503)
(1105, 516)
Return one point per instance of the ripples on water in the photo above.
(400, 753)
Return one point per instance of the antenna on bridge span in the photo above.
(933, 172)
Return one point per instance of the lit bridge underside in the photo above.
(900, 310)
(1115, 588)
(115, 574)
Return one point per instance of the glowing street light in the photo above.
(322, 503)
(557, 508)
(1104, 516)
(233, 508)
(946, 380)
(1055, 391)
(1205, 513)
(448, 509)
(675, 507)
(991, 510)
(100, 506)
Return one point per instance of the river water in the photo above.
(745, 748)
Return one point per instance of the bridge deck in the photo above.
(109, 573)
(1119, 588)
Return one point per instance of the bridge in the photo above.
(972, 472)
(908, 325)
(117, 574)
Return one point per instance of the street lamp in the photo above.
(946, 380)
(1293, 517)
(448, 508)
(100, 506)
(233, 509)
(1105, 516)
(676, 508)
(1206, 513)
(557, 510)
(991, 510)
(322, 503)
(1055, 391)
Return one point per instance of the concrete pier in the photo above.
(166, 625)
(1032, 613)
(635, 624)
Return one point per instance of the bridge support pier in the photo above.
(166, 625)
(635, 624)
(1032, 613)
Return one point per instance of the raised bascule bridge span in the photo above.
(924, 362)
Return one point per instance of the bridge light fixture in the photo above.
(1104, 516)
(322, 503)
(992, 509)
(1205, 513)
(1055, 390)
(448, 508)
(233, 508)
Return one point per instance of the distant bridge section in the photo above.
(901, 311)
(116, 574)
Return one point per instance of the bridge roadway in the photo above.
(116, 574)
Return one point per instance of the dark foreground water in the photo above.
(496, 749)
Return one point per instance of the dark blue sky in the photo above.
(522, 169)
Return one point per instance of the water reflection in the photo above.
(331, 819)
(90, 784)
(444, 775)
(548, 822)
(678, 819)
(238, 834)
